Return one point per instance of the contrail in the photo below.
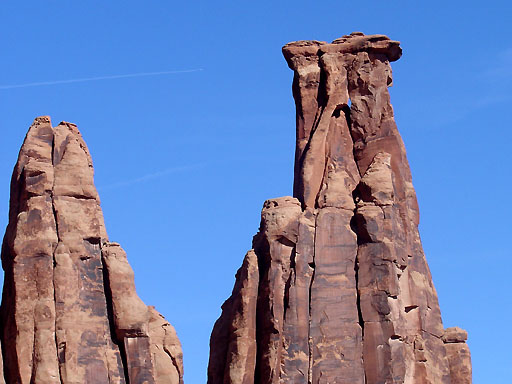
(143, 74)
(150, 176)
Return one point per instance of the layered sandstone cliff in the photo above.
(336, 288)
(70, 313)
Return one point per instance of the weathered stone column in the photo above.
(344, 291)
(70, 312)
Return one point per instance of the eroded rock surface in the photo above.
(336, 288)
(70, 312)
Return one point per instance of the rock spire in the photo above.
(336, 288)
(69, 311)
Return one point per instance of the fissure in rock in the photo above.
(110, 314)
(310, 308)
(60, 351)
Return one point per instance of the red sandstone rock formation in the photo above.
(69, 311)
(336, 288)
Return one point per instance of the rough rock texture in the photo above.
(458, 355)
(69, 311)
(336, 288)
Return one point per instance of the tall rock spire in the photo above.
(336, 288)
(69, 311)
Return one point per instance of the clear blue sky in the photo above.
(184, 161)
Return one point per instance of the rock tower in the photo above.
(69, 311)
(336, 288)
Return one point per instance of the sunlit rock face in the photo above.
(336, 288)
(70, 312)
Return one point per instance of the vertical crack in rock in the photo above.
(356, 270)
(70, 313)
(355, 303)
(59, 359)
(353, 225)
(110, 314)
(175, 362)
(310, 340)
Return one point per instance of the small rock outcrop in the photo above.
(336, 288)
(70, 313)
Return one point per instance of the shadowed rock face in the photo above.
(70, 312)
(336, 288)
